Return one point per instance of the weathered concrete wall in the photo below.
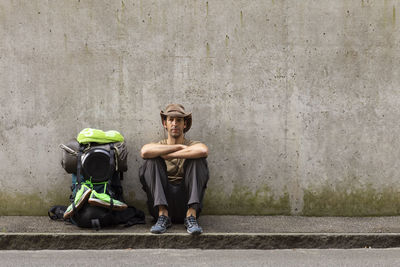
(298, 101)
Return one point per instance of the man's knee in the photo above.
(146, 169)
(152, 162)
(201, 162)
(196, 168)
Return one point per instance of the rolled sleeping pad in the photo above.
(70, 152)
(69, 158)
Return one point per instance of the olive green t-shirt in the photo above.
(175, 166)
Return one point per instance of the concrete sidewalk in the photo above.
(220, 232)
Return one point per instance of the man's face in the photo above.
(174, 126)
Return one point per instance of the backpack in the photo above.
(98, 160)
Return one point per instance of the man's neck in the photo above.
(174, 141)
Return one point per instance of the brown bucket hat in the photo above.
(177, 110)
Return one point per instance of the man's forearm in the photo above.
(191, 152)
(156, 150)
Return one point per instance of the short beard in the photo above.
(176, 135)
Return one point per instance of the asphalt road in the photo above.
(171, 257)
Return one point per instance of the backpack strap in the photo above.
(79, 167)
(111, 203)
(74, 207)
(112, 169)
(95, 224)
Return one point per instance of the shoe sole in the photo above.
(100, 203)
(194, 233)
(160, 232)
(82, 201)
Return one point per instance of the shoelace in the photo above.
(192, 221)
(162, 220)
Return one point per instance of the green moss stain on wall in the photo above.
(243, 201)
(349, 200)
(37, 204)
(16, 203)
(130, 198)
(394, 16)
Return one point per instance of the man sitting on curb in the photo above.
(175, 173)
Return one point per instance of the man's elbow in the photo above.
(144, 153)
(204, 152)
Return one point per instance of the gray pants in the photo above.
(177, 197)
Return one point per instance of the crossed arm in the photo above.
(154, 150)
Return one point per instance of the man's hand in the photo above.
(167, 156)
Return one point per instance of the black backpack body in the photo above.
(101, 167)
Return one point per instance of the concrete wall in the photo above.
(298, 101)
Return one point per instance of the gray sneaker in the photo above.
(192, 227)
(161, 225)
